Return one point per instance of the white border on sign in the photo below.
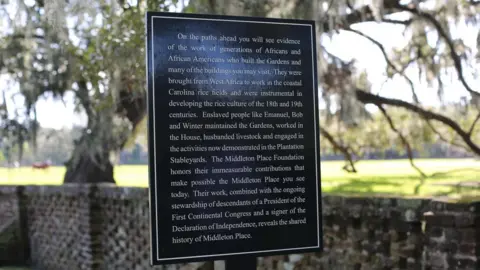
(155, 146)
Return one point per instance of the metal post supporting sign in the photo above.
(241, 263)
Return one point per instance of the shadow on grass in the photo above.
(443, 193)
(381, 179)
(413, 177)
(447, 173)
(392, 185)
(355, 185)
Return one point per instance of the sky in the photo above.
(346, 45)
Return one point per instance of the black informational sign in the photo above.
(233, 137)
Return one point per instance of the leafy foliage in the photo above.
(94, 49)
(434, 49)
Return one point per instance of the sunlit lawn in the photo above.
(385, 176)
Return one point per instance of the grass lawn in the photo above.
(380, 177)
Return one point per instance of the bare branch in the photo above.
(472, 128)
(4, 104)
(441, 32)
(328, 8)
(344, 150)
(20, 36)
(474, 3)
(406, 22)
(410, 61)
(368, 98)
(389, 62)
(82, 94)
(362, 14)
(442, 138)
(332, 55)
(404, 140)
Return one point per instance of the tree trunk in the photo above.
(90, 161)
(87, 167)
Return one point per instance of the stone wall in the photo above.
(453, 235)
(124, 242)
(59, 227)
(107, 227)
(13, 245)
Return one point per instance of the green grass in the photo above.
(379, 177)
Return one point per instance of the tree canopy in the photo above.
(435, 50)
(94, 49)
(91, 48)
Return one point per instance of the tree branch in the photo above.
(368, 98)
(82, 94)
(442, 138)
(472, 128)
(406, 22)
(329, 7)
(20, 36)
(404, 140)
(362, 14)
(441, 32)
(389, 62)
(344, 150)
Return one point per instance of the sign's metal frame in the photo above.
(155, 259)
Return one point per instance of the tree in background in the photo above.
(433, 50)
(94, 49)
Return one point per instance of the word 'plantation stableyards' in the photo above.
(234, 142)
